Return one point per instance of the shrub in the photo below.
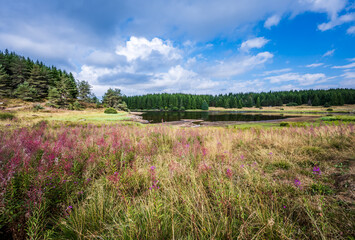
(122, 106)
(6, 116)
(175, 109)
(330, 109)
(37, 107)
(110, 111)
(291, 104)
(77, 105)
(284, 124)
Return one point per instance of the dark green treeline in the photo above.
(177, 101)
(23, 78)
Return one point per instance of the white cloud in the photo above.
(233, 67)
(255, 85)
(329, 53)
(351, 30)
(253, 43)
(143, 48)
(302, 79)
(313, 65)
(266, 73)
(350, 65)
(272, 21)
(336, 22)
(178, 79)
(332, 7)
(348, 83)
(349, 75)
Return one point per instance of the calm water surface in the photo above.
(157, 117)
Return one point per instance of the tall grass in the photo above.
(157, 182)
(6, 116)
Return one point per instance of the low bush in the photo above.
(110, 111)
(330, 109)
(37, 107)
(284, 124)
(6, 116)
(291, 104)
(77, 106)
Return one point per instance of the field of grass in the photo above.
(113, 181)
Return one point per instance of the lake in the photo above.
(158, 116)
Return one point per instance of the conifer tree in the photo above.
(25, 92)
(204, 106)
(258, 103)
(5, 83)
(39, 81)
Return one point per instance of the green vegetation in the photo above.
(6, 116)
(343, 118)
(110, 111)
(335, 97)
(84, 181)
(291, 104)
(204, 106)
(33, 81)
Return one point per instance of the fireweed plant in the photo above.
(160, 182)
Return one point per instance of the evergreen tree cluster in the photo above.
(165, 101)
(31, 81)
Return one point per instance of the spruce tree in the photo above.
(5, 83)
(25, 92)
(39, 81)
(258, 103)
(204, 106)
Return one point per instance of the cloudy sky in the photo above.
(200, 46)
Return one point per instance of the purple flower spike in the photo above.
(70, 207)
(316, 170)
(152, 168)
(297, 183)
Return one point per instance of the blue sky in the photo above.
(200, 46)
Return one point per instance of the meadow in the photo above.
(84, 180)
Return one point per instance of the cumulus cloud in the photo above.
(143, 48)
(302, 79)
(253, 43)
(313, 65)
(236, 66)
(272, 21)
